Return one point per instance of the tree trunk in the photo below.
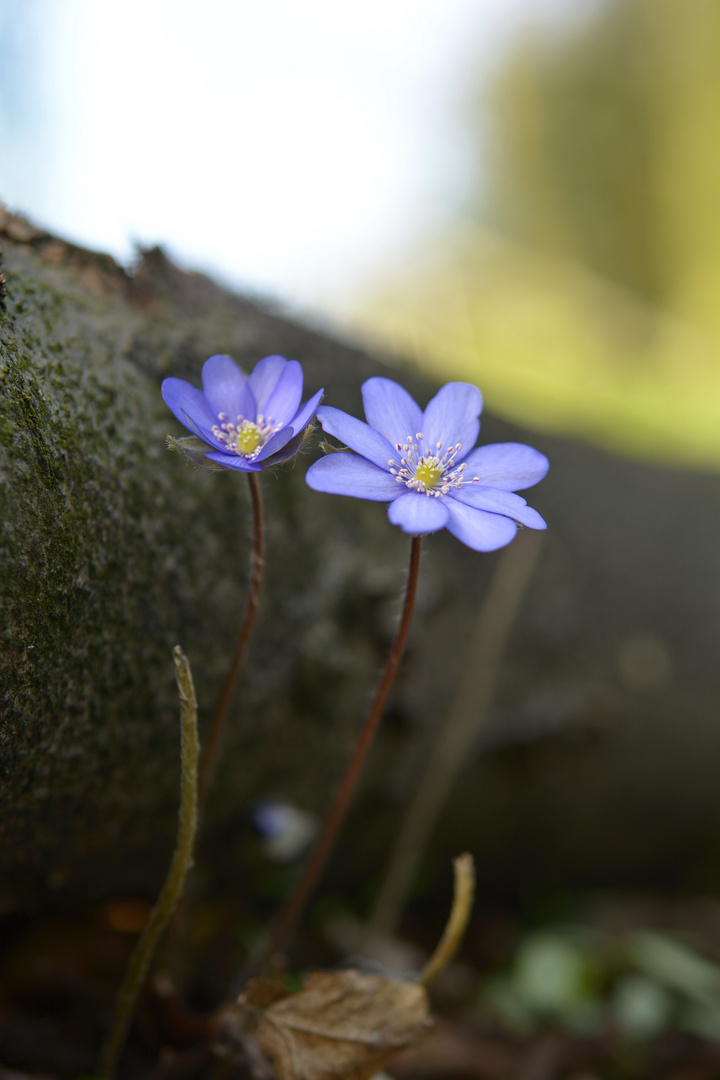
(595, 760)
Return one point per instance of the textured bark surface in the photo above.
(600, 759)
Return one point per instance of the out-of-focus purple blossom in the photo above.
(242, 423)
(286, 831)
(424, 465)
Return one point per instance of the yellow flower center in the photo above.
(428, 473)
(249, 438)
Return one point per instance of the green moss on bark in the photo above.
(113, 551)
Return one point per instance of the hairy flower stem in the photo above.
(295, 905)
(181, 860)
(257, 569)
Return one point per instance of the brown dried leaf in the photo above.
(261, 993)
(342, 1026)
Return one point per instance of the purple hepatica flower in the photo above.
(423, 464)
(246, 424)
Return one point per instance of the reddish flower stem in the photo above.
(296, 903)
(257, 568)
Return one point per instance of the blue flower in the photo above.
(424, 465)
(245, 424)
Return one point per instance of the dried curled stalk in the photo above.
(181, 862)
(454, 931)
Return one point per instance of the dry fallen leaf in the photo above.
(342, 1026)
(261, 993)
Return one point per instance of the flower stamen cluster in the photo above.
(244, 437)
(430, 474)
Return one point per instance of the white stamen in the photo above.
(429, 474)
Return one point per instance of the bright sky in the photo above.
(283, 145)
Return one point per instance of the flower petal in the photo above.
(347, 474)
(263, 379)
(287, 451)
(390, 410)
(452, 417)
(223, 384)
(499, 502)
(275, 443)
(479, 529)
(305, 415)
(234, 461)
(510, 466)
(358, 436)
(190, 406)
(247, 408)
(417, 514)
(284, 399)
(293, 431)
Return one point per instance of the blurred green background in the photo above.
(581, 290)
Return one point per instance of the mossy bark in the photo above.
(113, 551)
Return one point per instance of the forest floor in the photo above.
(627, 988)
